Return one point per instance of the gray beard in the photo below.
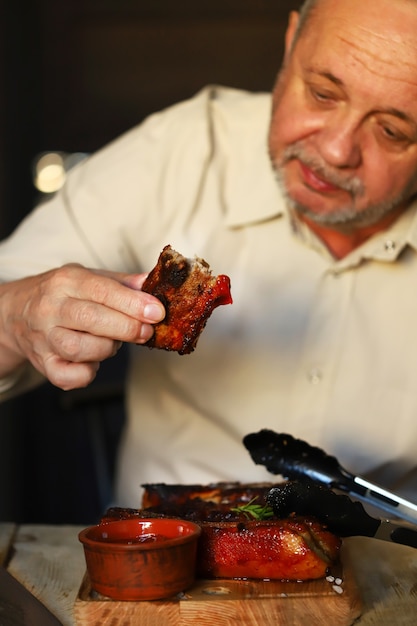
(345, 216)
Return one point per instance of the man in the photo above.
(320, 339)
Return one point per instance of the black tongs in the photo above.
(295, 459)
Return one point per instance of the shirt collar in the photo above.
(387, 245)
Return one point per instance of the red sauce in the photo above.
(223, 293)
(139, 539)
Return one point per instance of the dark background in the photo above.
(75, 74)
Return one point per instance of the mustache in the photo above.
(350, 184)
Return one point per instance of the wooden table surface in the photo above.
(49, 561)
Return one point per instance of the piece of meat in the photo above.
(189, 293)
(198, 503)
(291, 549)
(217, 494)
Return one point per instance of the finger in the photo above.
(133, 281)
(106, 288)
(78, 346)
(68, 375)
(99, 321)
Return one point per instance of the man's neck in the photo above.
(341, 241)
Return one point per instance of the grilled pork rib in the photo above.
(189, 293)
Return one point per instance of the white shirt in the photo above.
(322, 349)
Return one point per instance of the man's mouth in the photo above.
(316, 182)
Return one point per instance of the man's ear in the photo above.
(291, 30)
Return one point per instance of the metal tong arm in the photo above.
(333, 475)
(386, 500)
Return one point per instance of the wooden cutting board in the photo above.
(229, 602)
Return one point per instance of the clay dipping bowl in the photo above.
(141, 559)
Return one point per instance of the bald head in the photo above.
(308, 7)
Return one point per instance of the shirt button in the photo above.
(390, 245)
(315, 376)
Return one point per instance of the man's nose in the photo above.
(340, 143)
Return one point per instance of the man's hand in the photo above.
(66, 321)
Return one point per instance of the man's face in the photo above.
(343, 135)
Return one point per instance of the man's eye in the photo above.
(393, 134)
(321, 95)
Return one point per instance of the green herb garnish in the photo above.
(254, 511)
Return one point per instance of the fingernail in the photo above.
(146, 332)
(152, 312)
